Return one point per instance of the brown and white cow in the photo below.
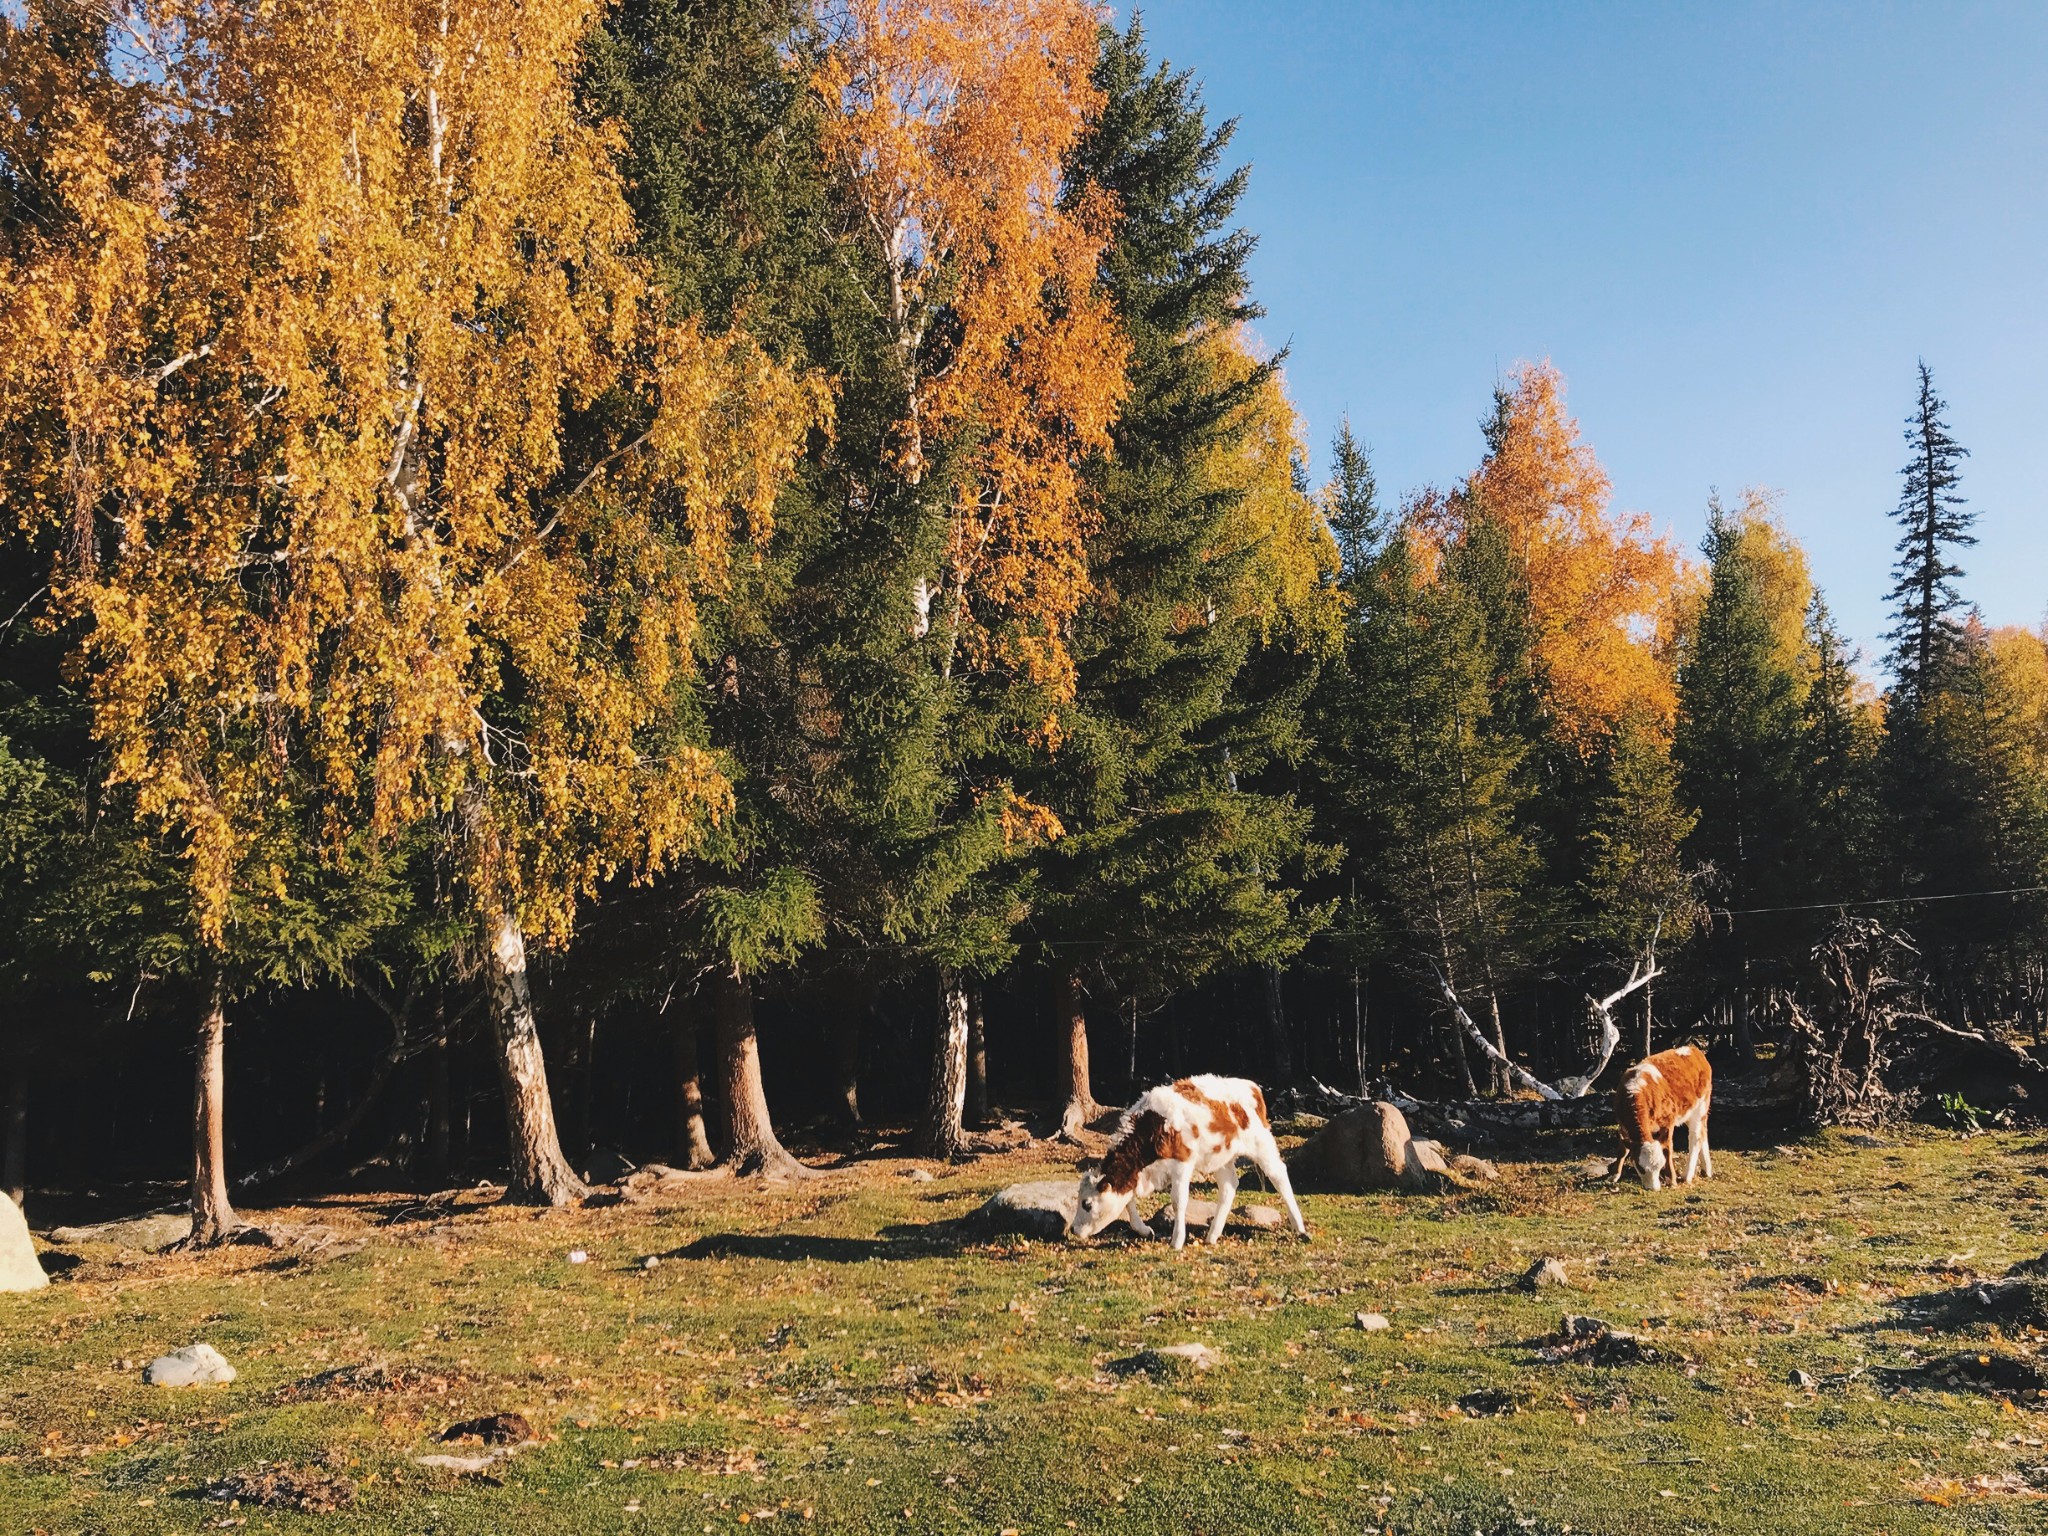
(1196, 1128)
(1670, 1089)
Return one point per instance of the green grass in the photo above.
(830, 1353)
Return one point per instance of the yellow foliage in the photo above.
(951, 120)
(295, 364)
(1277, 530)
(1602, 587)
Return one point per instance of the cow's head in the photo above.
(1650, 1162)
(1097, 1205)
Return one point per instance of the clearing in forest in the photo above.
(1817, 1346)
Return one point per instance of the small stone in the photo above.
(1371, 1322)
(1545, 1273)
(1800, 1379)
(193, 1366)
(578, 1256)
(918, 1175)
(1478, 1169)
(652, 1261)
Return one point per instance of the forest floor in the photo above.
(835, 1351)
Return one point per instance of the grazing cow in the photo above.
(1671, 1089)
(1196, 1128)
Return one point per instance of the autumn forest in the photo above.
(708, 581)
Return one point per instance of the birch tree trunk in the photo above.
(946, 1098)
(977, 1063)
(213, 1213)
(750, 1141)
(14, 1160)
(541, 1175)
(693, 1143)
(1071, 1019)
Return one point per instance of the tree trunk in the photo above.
(977, 1063)
(750, 1141)
(1072, 1021)
(439, 1137)
(213, 1214)
(1276, 1031)
(693, 1145)
(586, 1087)
(947, 1096)
(14, 1160)
(846, 1052)
(541, 1175)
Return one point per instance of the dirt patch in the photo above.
(1488, 1403)
(309, 1493)
(491, 1429)
(1589, 1341)
(709, 1461)
(2015, 1377)
(375, 1379)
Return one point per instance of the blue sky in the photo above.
(1733, 226)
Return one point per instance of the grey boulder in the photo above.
(1040, 1208)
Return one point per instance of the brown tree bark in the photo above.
(946, 1098)
(846, 1052)
(693, 1143)
(213, 1213)
(977, 1063)
(750, 1141)
(1071, 1020)
(439, 1133)
(14, 1160)
(541, 1175)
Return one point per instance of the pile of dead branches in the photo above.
(1859, 1031)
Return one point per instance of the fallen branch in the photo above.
(1517, 1074)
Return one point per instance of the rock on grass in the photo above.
(1040, 1208)
(195, 1365)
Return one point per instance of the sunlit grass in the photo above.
(830, 1350)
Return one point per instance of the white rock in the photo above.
(20, 1269)
(1371, 1322)
(918, 1175)
(193, 1366)
(578, 1256)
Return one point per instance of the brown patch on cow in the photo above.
(1225, 1120)
(1259, 1103)
(1133, 1152)
(1652, 1112)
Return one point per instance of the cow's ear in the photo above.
(1090, 1165)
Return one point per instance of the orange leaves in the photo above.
(950, 120)
(1600, 586)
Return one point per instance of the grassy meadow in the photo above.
(841, 1352)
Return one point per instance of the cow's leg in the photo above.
(1695, 1128)
(1135, 1221)
(1699, 1134)
(1226, 1196)
(1183, 1176)
(1266, 1153)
